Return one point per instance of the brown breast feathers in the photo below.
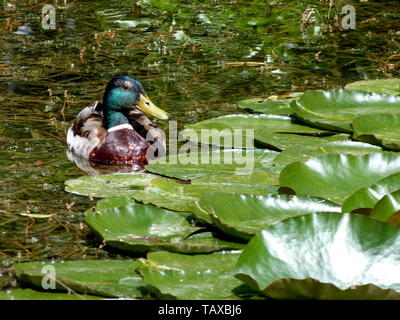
(122, 146)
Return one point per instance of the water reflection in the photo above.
(93, 169)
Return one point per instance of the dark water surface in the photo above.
(189, 57)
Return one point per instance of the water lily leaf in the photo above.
(176, 196)
(87, 277)
(386, 86)
(29, 294)
(366, 198)
(388, 208)
(334, 177)
(109, 185)
(295, 153)
(244, 215)
(283, 141)
(192, 277)
(324, 256)
(113, 202)
(233, 130)
(267, 106)
(142, 228)
(336, 109)
(215, 164)
(381, 129)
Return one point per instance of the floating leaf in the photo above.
(267, 106)
(176, 196)
(386, 209)
(113, 202)
(233, 130)
(87, 276)
(109, 185)
(29, 294)
(283, 141)
(366, 198)
(381, 129)
(324, 256)
(293, 154)
(385, 86)
(141, 228)
(336, 109)
(334, 177)
(215, 164)
(243, 215)
(192, 277)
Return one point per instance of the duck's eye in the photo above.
(125, 87)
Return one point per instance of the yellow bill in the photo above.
(151, 109)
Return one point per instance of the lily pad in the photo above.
(113, 202)
(293, 154)
(143, 228)
(176, 196)
(234, 130)
(29, 294)
(215, 164)
(334, 177)
(109, 185)
(388, 208)
(267, 106)
(366, 198)
(244, 215)
(324, 256)
(336, 109)
(192, 277)
(386, 86)
(109, 278)
(283, 141)
(381, 129)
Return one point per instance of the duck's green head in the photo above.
(124, 93)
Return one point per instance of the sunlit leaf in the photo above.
(335, 177)
(324, 256)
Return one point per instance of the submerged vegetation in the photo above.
(323, 189)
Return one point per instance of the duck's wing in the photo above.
(87, 131)
(150, 132)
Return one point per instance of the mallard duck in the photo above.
(117, 131)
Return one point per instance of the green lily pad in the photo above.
(214, 165)
(192, 277)
(233, 131)
(324, 256)
(336, 109)
(113, 202)
(387, 208)
(385, 86)
(176, 196)
(279, 107)
(380, 129)
(293, 154)
(29, 294)
(334, 177)
(87, 276)
(143, 228)
(109, 185)
(366, 198)
(283, 141)
(244, 215)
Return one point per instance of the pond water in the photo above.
(190, 57)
